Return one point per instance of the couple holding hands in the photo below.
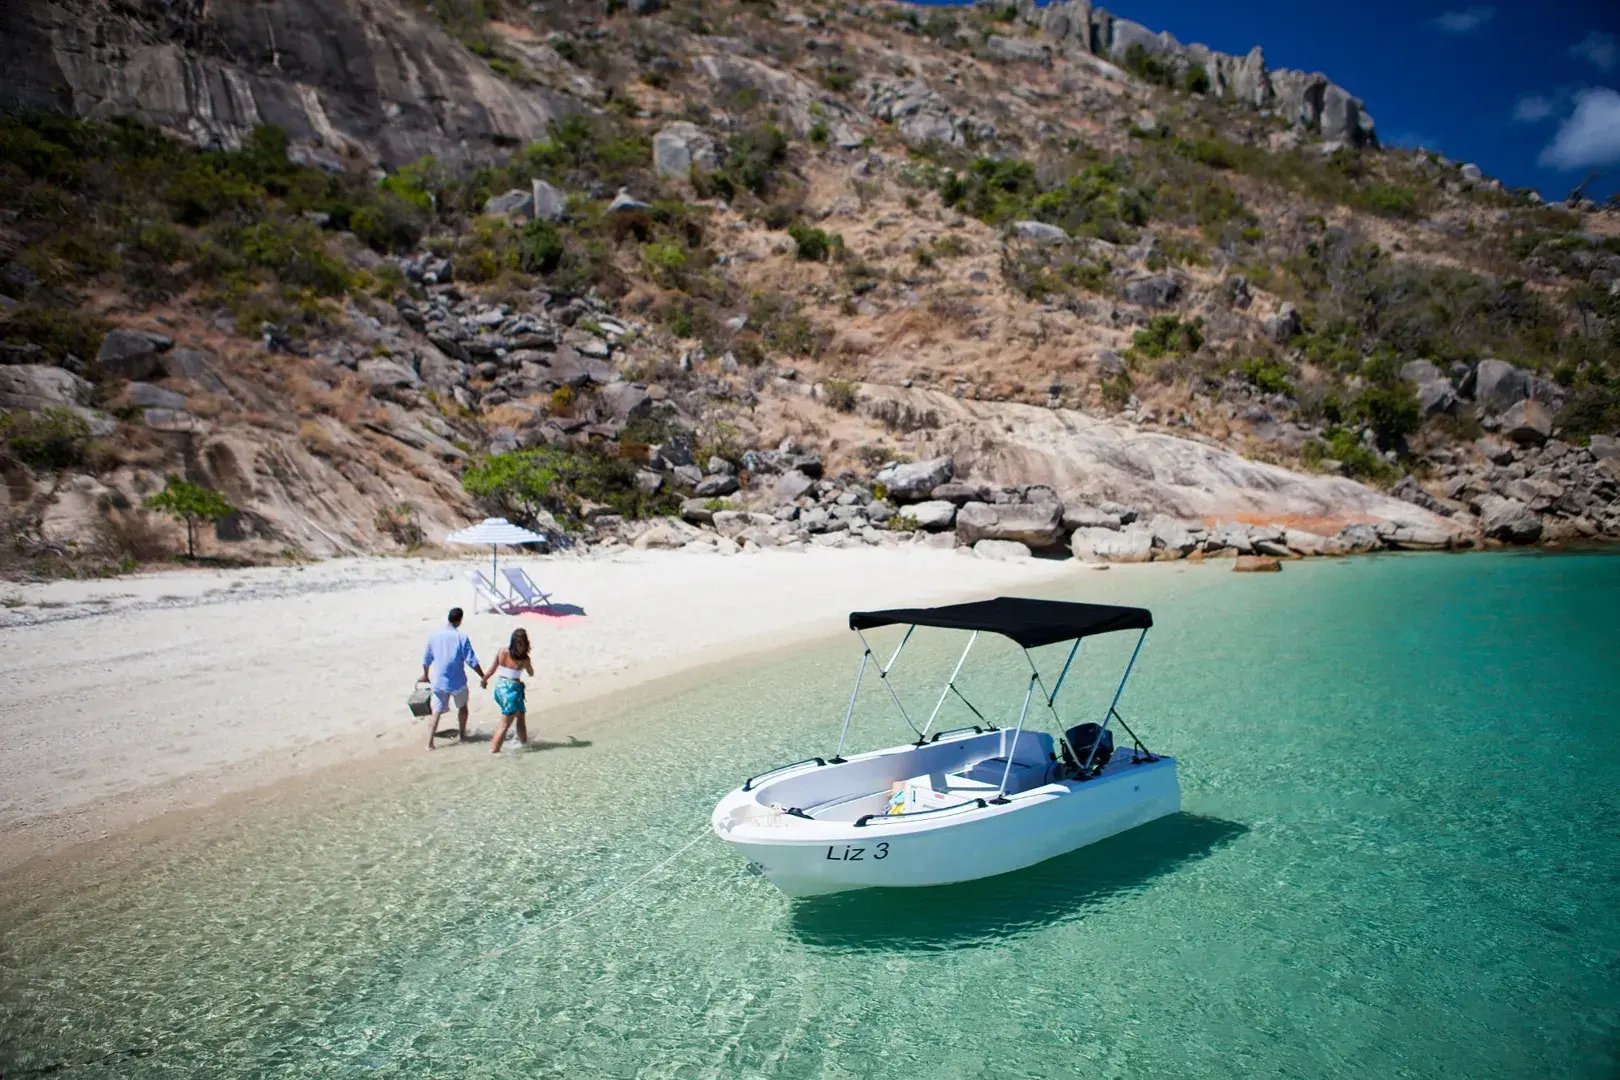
(445, 661)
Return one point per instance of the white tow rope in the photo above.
(599, 901)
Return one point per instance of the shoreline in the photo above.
(147, 792)
(359, 766)
(99, 762)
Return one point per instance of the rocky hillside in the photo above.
(370, 267)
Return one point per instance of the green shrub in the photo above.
(294, 251)
(389, 224)
(203, 191)
(1216, 153)
(52, 438)
(1036, 271)
(1591, 410)
(1268, 374)
(994, 190)
(1098, 201)
(1116, 391)
(837, 77)
(813, 244)
(1149, 68)
(839, 394)
(60, 333)
(160, 242)
(1195, 80)
(666, 262)
(540, 247)
(1094, 198)
(655, 428)
(414, 184)
(1366, 302)
(579, 151)
(1167, 335)
(190, 503)
(754, 155)
(1344, 447)
(44, 146)
(1390, 409)
(1391, 200)
(510, 69)
(522, 483)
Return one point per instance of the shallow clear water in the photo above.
(1399, 856)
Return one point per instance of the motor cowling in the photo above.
(1082, 738)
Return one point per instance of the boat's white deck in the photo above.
(934, 791)
(939, 790)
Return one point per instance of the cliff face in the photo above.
(364, 80)
(1308, 100)
(379, 82)
(778, 248)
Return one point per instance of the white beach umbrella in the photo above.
(494, 532)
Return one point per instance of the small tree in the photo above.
(190, 503)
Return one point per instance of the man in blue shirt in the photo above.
(444, 665)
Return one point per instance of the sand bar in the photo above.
(121, 700)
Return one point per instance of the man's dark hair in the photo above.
(455, 616)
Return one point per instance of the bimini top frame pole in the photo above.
(1029, 693)
(1111, 714)
(950, 686)
(883, 673)
(1029, 623)
(1051, 697)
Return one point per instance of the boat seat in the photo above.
(981, 781)
(988, 773)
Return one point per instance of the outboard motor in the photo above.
(1083, 737)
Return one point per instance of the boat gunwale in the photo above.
(795, 829)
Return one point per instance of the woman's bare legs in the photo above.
(523, 732)
(500, 734)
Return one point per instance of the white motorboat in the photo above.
(961, 804)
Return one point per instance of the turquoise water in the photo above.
(1399, 857)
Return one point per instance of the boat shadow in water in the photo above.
(994, 909)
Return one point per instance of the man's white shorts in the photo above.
(443, 698)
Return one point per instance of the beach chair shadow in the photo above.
(992, 910)
(552, 611)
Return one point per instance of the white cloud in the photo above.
(1591, 135)
(1533, 108)
(1465, 21)
(1599, 50)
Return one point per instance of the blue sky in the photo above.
(1529, 93)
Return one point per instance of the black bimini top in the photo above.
(1031, 623)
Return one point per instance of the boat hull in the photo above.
(817, 858)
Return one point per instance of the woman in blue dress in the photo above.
(511, 663)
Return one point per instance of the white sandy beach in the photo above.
(121, 700)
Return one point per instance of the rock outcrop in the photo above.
(1308, 100)
(923, 116)
(915, 481)
(680, 147)
(1089, 461)
(1036, 525)
(348, 80)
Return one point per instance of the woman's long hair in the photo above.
(518, 647)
